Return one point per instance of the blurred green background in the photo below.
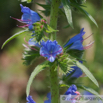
(14, 75)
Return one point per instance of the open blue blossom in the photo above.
(30, 100)
(76, 41)
(29, 17)
(50, 49)
(49, 98)
(77, 72)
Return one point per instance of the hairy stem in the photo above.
(54, 74)
(54, 85)
(54, 17)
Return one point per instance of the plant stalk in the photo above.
(54, 74)
(54, 85)
(54, 17)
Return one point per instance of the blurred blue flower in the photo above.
(32, 42)
(30, 100)
(72, 89)
(77, 72)
(71, 94)
(49, 98)
(76, 41)
(29, 17)
(50, 49)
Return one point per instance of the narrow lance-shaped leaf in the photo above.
(14, 36)
(85, 12)
(89, 90)
(87, 72)
(38, 69)
(68, 12)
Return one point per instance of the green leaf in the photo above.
(14, 36)
(76, 53)
(85, 12)
(87, 72)
(67, 26)
(64, 85)
(38, 69)
(50, 29)
(89, 90)
(68, 12)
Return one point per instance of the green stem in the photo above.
(54, 74)
(54, 85)
(54, 17)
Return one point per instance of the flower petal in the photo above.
(30, 100)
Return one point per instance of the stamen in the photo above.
(78, 95)
(34, 49)
(23, 26)
(89, 45)
(58, 51)
(28, 47)
(88, 37)
(25, 46)
(16, 19)
(20, 20)
(25, 41)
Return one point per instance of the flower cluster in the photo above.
(51, 50)
(66, 60)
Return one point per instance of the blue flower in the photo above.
(29, 17)
(77, 72)
(30, 100)
(72, 89)
(71, 94)
(49, 98)
(32, 42)
(76, 41)
(50, 49)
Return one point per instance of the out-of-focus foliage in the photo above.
(14, 75)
